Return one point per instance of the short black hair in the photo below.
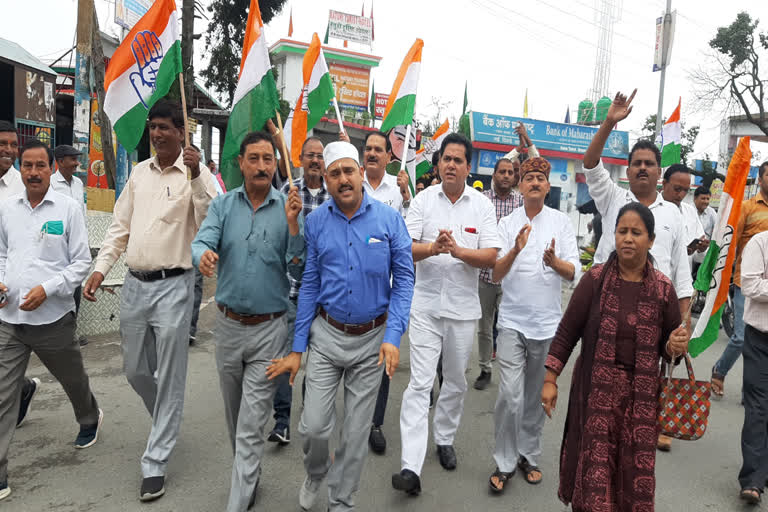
(380, 134)
(255, 137)
(169, 110)
(310, 138)
(674, 169)
(702, 191)
(34, 144)
(211, 161)
(645, 144)
(645, 215)
(457, 138)
(435, 158)
(496, 166)
(762, 169)
(7, 126)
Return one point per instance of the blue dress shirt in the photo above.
(255, 250)
(349, 264)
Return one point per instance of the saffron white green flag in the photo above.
(670, 139)
(402, 99)
(255, 99)
(430, 147)
(141, 71)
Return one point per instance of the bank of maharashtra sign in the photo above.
(349, 27)
(568, 138)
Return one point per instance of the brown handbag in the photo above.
(683, 404)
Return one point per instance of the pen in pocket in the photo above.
(169, 191)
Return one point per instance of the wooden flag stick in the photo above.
(338, 115)
(285, 148)
(186, 121)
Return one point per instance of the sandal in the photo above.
(529, 470)
(717, 384)
(751, 495)
(501, 478)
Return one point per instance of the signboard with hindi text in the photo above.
(128, 12)
(349, 27)
(381, 104)
(351, 84)
(568, 138)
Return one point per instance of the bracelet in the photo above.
(551, 382)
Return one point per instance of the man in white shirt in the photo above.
(453, 228)
(538, 251)
(669, 248)
(708, 219)
(44, 255)
(155, 220)
(754, 435)
(64, 180)
(674, 188)
(392, 191)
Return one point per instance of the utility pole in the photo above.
(666, 41)
(82, 113)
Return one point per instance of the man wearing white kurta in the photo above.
(538, 251)
(674, 188)
(453, 228)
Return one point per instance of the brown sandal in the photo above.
(751, 495)
(529, 470)
(502, 478)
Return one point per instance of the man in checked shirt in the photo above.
(313, 193)
(505, 198)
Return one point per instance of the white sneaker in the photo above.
(5, 490)
(308, 492)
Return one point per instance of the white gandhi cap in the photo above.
(338, 150)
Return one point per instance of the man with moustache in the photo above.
(377, 152)
(538, 252)
(10, 185)
(312, 192)
(353, 309)
(453, 228)
(669, 247)
(254, 233)
(155, 220)
(674, 188)
(44, 255)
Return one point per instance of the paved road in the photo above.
(46, 473)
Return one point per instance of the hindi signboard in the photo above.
(381, 104)
(351, 84)
(349, 27)
(128, 12)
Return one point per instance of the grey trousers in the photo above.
(519, 416)
(243, 353)
(56, 347)
(333, 358)
(154, 326)
(490, 297)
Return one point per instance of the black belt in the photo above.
(155, 275)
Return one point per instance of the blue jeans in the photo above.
(732, 352)
(284, 394)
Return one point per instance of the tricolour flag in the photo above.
(670, 139)
(255, 99)
(402, 100)
(714, 276)
(429, 147)
(315, 97)
(141, 71)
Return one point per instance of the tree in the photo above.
(224, 41)
(688, 137)
(733, 77)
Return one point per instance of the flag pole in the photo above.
(338, 115)
(186, 121)
(285, 148)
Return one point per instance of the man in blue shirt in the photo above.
(351, 318)
(255, 234)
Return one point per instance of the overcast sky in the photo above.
(501, 47)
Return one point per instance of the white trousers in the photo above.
(429, 336)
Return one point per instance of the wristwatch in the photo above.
(407, 204)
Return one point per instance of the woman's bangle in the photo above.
(551, 382)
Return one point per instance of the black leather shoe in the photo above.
(377, 441)
(447, 456)
(407, 481)
(152, 488)
(483, 380)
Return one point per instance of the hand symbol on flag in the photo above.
(148, 52)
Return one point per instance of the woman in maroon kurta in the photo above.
(626, 313)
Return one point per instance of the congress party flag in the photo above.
(255, 99)
(714, 275)
(315, 97)
(429, 148)
(670, 139)
(142, 70)
(402, 100)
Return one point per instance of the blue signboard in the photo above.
(568, 138)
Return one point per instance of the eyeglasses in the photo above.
(313, 156)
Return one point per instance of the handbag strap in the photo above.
(688, 364)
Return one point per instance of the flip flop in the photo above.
(502, 478)
(528, 470)
(718, 384)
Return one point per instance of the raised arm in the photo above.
(618, 111)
